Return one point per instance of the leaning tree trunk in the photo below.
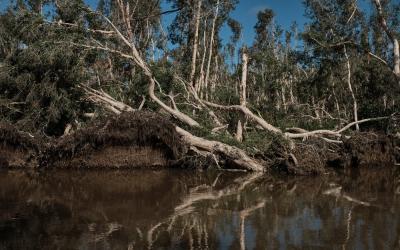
(135, 56)
(217, 149)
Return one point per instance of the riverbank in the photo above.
(147, 139)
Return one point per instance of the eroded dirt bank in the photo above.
(147, 139)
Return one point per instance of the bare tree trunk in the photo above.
(239, 129)
(384, 102)
(355, 106)
(211, 49)
(283, 89)
(392, 37)
(278, 100)
(195, 42)
(135, 56)
(336, 100)
(292, 98)
(237, 155)
(153, 50)
(200, 84)
(215, 76)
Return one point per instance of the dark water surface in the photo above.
(191, 210)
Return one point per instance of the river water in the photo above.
(175, 209)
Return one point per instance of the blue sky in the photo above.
(286, 12)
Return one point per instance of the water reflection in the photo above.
(191, 210)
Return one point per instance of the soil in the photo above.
(138, 139)
(131, 140)
(148, 139)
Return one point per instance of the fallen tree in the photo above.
(216, 149)
(310, 158)
(234, 154)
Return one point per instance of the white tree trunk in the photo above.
(355, 106)
(243, 94)
(211, 49)
(392, 37)
(200, 84)
(196, 41)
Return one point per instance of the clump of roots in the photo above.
(310, 157)
(17, 149)
(134, 139)
(369, 149)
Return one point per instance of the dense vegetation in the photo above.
(62, 63)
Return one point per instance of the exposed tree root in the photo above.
(17, 149)
(132, 139)
(237, 157)
(294, 158)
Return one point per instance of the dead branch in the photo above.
(362, 121)
(61, 22)
(248, 113)
(137, 59)
(142, 103)
(238, 156)
(105, 99)
(191, 91)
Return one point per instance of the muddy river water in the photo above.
(175, 209)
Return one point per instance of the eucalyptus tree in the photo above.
(334, 34)
(195, 34)
(391, 30)
(265, 62)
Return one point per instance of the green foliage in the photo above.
(39, 78)
(43, 59)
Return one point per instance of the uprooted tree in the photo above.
(124, 65)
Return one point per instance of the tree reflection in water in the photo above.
(192, 210)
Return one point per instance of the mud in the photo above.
(139, 139)
(147, 139)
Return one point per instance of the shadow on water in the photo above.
(197, 210)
